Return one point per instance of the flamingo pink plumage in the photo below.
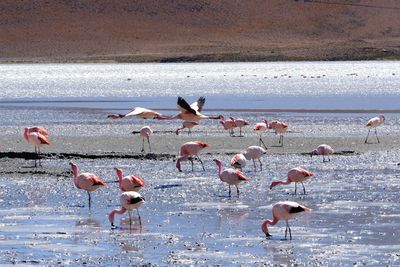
(139, 112)
(229, 125)
(239, 123)
(145, 133)
(283, 210)
(280, 128)
(130, 182)
(86, 181)
(238, 161)
(187, 124)
(374, 123)
(295, 175)
(253, 153)
(231, 176)
(261, 128)
(129, 201)
(38, 137)
(190, 149)
(323, 150)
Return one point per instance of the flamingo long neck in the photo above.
(219, 164)
(75, 171)
(264, 226)
(275, 183)
(26, 132)
(116, 211)
(119, 174)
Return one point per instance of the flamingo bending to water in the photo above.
(231, 176)
(190, 149)
(324, 150)
(239, 123)
(187, 124)
(139, 112)
(238, 161)
(229, 125)
(280, 128)
(295, 175)
(261, 128)
(284, 210)
(374, 123)
(38, 137)
(145, 133)
(129, 201)
(254, 152)
(130, 182)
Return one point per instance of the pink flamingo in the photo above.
(139, 112)
(129, 183)
(254, 152)
(323, 150)
(86, 181)
(129, 201)
(37, 136)
(190, 149)
(374, 123)
(283, 210)
(229, 125)
(189, 112)
(230, 176)
(187, 124)
(239, 123)
(238, 161)
(280, 128)
(261, 128)
(295, 175)
(145, 133)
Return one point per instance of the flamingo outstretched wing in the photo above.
(184, 106)
(198, 105)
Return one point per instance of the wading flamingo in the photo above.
(139, 112)
(283, 210)
(231, 176)
(189, 112)
(239, 123)
(190, 149)
(37, 136)
(130, 182)
(145, 133)
(129, 201)
(254, 152)
(374, 123)
(280, 128)
(261, 128)
(323, 150)
(86, 181)
(295, 175)
(238, 161)
(229, 125)
(187, 124)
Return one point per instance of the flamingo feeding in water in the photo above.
(38, 137)
(130, 182)
(239, 123)
(145, 133)
(229, 125)
(187, 124)
(261, 128)
(374, 123)
(190, 149)
(254, 152)
(283, 210)
(280, 128)
(86, 181)
(231, 176)
(238, 161)
(295, 175)
(139, 112)
(324, 150)
(129, 201)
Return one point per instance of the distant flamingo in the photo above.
(229, 125)
(129, 201)
(230, 176)
(261, 128)
(239, 123)
(284, 210)
(280, 128)
(187, 124)
(190, 149)
(323, 150)
(295, 175)
(189, 112)
(254, 152)
(145, 133)
(86, 181)
(36, 136)
(374, 123)
(139, 112)
(129, 183)
(238, 161)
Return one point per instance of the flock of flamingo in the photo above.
(130, 199)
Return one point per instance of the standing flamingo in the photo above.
(254, 152)
(189, 112)
(283, 210)
(129, 183)
(229, 125)
(323, 150)
(187, 124)
(295, 175)
(280, 128)
(238, 161)
(129, 201)
(230, 176)
(261, 128)
(139, 112)
(374, 123)
(86, 181)
(145, 133)
(190, 149)
(37, 136)
(239, 123)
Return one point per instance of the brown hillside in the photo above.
(203, 30)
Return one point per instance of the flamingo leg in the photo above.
(130, 220)
(290, 232)
(366, 139)
(142, 145)
(90, 206)
(189, 132)
(229, 190)
(240, 131)
(140, 219)
(295, 188)
(191, 161)
(40, 162)
(237, 190)
(286, 230)
(148, 141)
(281, 140)
(36, 156)
(262, 142)
(323, 158)
(376, 134)
(260, 164)
(304, 189)
(254, 164)
(201, 163)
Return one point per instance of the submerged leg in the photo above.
(304, 189)
(260, 164)
(140, 219)
(295, 188)
(189, 132)
(38, 154)
(130, 220)
(237, 190)
(142, 145)
(148, 141)
(262, 142)
(366, 139)
(191, 161)
(90, 205)
(376, 134)
(254, 164)
(229, 190)
(201, 163)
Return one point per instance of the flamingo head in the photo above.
(382, 117)
(314, 152)
(203, 145)
(118, 170)
(217, 161)
(264, 228)
(72, 164)
(274, 183)
(221, 117)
